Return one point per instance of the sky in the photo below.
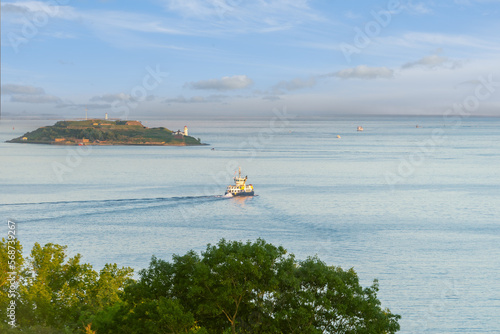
(180, 58)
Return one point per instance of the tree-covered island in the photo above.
(105, 132)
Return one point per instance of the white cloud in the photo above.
(364, 72)
(433, 61)
(208, 8)
(271, 98)
(432, 40)
(21, 89)
(196, 99)
(35, 99)
(295, 84)
(81, 106)
(244, 16)
(471, 2)
(28, 94)
(351, 15)
(225, 83)
(418, 8)
(37, 7)
(120, 20)
(111, 97)
(12, 8)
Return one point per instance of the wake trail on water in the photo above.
(63, 209)
(123, 200)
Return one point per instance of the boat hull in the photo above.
(246, 193)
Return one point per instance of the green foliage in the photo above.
(191, 140)
(231, 287)
(236, 287)
(59, 295)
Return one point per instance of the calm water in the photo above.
(417, 208)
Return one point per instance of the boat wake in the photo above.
(63, 209)
(120, 200)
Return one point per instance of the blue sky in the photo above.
(166, 58)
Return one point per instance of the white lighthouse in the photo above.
(185, 130)
(106, 116)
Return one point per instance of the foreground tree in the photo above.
(231, 287)
(56, 294)
(248, 287)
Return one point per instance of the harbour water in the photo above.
(415, 207)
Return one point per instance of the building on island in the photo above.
(180, 134)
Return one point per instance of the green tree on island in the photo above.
(231, 287)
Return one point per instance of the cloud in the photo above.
(294, 84)
(111, 97)
(433, 61)
(468, 83)
(363, 72)
(239, 9)
(14, 9)
(89, 106)
(21, 89)
(196, 99)
(229, 16)
(119, 97)
(114, 26)
(351, 15)
(428, 40)
(32, 7)
(120, 20)
(28, 94)
(35, 99)
(418, 8)
(471, 2)
(225, 83)
(271, 98)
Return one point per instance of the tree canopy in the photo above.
(231, 287)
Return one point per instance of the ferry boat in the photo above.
(240, 188)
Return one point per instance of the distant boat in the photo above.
(240, 188)
(360, 128)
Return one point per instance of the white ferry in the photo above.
(240, 187)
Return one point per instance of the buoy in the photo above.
(338, 136)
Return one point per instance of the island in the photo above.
(106, 132)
